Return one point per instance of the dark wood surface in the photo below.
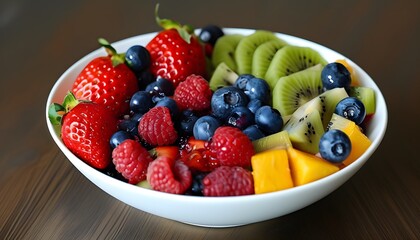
(42, 196)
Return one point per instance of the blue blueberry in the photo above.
(205, 127)
(161, 86)
(210, 34)
(130, 126)
(268, 119)
(144, 78)
(253, 132)
(141, 102)
(170, 104)
(352, 109)
(137, 58)
(187, 121)
(257, 88)
(254, 105)
(118, 137)
(137, 117)
(242, 80)
(197, 184)
(334, 146)
(240, 117)
(335, 75)
(225, 99)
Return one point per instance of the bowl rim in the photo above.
(357, 164)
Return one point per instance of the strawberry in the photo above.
(86, 129)
(176, 52)
(193, 93)
(197, 157)
(231, 147)
(167, 151)
(107, 80)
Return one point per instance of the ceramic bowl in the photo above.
(220, 211)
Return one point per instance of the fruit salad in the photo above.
(206, 113)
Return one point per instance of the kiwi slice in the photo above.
(224, 50)
(305, 128)
(246, 48)
(276, 140)
(263, 56)
(222, 76)
(294, 90)
(329, 100)
(366, 95)
(291, 59)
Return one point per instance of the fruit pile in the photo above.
(214, 114)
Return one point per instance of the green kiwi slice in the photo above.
(294, 90)
(290, 59)
(263, 56)
(366, 95)
(224, 50)
(246, 48)
(305, 127)
(222, 76)
(276, 140)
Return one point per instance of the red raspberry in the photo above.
(193, 93)
(166, 175)
(156, 127)
(231, 147)
(228, 181)
(131, 159)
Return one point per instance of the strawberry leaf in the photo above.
(55, 113)
(185, 31)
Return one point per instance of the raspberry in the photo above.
(231, 147)
(131, 159)
(193, 93)
(166, 175)
(156, 127)
(228, 181)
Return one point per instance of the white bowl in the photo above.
(220, 211)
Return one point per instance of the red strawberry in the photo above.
(107, 80)
(166, 151)
(231, 147)
(176, 52)
(197, 157)
(156, 127)
(228, 181)
(86, 129)
(131, 159)
(193, 93)
(166, 175)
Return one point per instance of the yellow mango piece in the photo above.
(306, 168)
(359, 141)
(271, 171)
(354, 79)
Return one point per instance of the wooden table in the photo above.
(42, 196)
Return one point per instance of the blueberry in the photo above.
(161, 86)
(254, 105)
(144, 78)
(170, 104)
(334, 146)
(187, 121)
(137, 117)
(210, 34)
(205, 127)
(253, 132)
(335, 75)
(141, 102)
(268, 119)
(225, 99)
(129, 126)
(240, 117)
(242, 80)
(118, 137)
(257, 88)
(137, 58)
(352, 109)
(197, 184)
